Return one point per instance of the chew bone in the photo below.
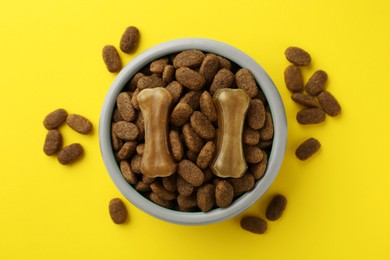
(156, 160)
(232, 105)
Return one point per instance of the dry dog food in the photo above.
(118, 211)
(53, 142)
(54, 119)
(310, 116)
(130, 39)
(276, 207)
(293, 78)
(205, 91)
(307, 149)
(297, 56)
(304, 99)
(329, 103)
(79, 123)
(316, 83)
(111, 58)
(70, 153)
(254, 224)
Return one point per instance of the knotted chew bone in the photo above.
(232, 105)
(156, 159)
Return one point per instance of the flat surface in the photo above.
(51, 57)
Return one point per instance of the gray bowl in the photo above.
(278, 146)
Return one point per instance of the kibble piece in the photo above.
(329, 103)
(134, 100)
(276, 207)
(206, 155)
(111, 58)
(258, 169)
(253, 154)
(168, 73)
(79, 123)
(188, 58)
(70, 153)
(127, 172)
(158, 66)
(125, 107)
(190, 78)
(126, 130)
(202, 125)
(192, 156)
(192, 98)
(175, 88)
(187, 203)
(54, 119)
(116, 117)
(297, 56)
(304, 99)
(242, 184)
(181, 113)
(207, 106)
(316, 83)
(190, 172)
(136, 162)
(224, 194)
(263, 144)
(254, 224)
(169, 183)
(310, 116)
(150, 82)
(246, 81)
(293, 78)
(176, 145)
(164, 194)
(256, 114)
(142, 187)
(53, 142)
(130, 39)
(192, 140)
(139, 122)
(250, 136)
(134, 81)
(148, 180)
(223, 79)
(183, 187)
(140, 149)
(127, 150)
(118, 211)
(307, 149)
(224, 63)
(206, 197)
(209, 67)
(267, 132)
(116, 142)
(159, 201)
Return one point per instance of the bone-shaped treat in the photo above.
(232, 105)
(156, 159)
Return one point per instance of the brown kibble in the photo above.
(207, 106)
(263, 144)
(125, 107)
(79, 123)
(250, 136)
(152, 81)
(293, 78)
(130, 39)
(127, 150)
(142, 187)
(256, 114)
(206, 155)
(54, 119)
(224, 194)
(169, 183)
(136, 162)
(202, 125)
(116, 142)
(168, 74)
(242, 184)
(276, 207)
(175, 88)
(258, 169)
(127, 172)
(254, 224)
(297, 56)
(192, 98)
(253, 154)
(116, 117)
(139, 122)
(267, 132)
(307, 149)
(134, 81)
(126, 130)
(188, 58)
(70, 153)
(304, 99)
(190, 172)
(224, 63)
(209, 67)
(181, 113)
(148, 180)
(158, 66)
(140, 149)
(134, 99)
(161, 202)
(176, 145)
(316, 83)
(53, 142)
(183, 187)
(118, 211)
(164, 194)
(206, 197)
(186, 203)
(190, 78)
(329, 103)
(223, 79)
(111, 58)
(192, 156)
(310, 116)
(246, 81)
(192, 140)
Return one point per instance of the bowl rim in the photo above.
(276, 108)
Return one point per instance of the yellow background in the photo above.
(51, 57)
